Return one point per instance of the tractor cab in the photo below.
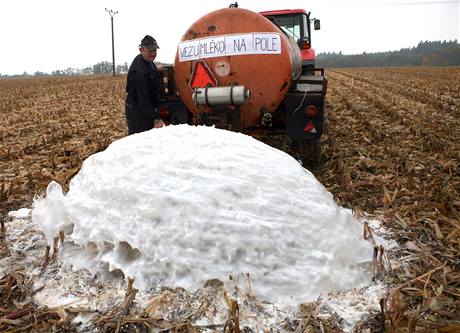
(296, 24)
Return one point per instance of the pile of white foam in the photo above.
(183, 204)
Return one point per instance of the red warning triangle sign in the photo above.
(202, 76)
(310, 127)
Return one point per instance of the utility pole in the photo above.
(112, 14)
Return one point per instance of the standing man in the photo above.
(143, 87)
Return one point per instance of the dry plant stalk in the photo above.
(46, 258)
(2, 229)
(419, 278)
(55, 248)
(114, 320)
(248, 285)
(61, 238)
(232, 325)
(158, 302)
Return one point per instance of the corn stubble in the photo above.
(391, 148)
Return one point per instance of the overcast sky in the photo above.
(51, 34)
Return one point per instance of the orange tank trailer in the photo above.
(240, 70)
(267, 76)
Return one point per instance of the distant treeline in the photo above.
(424, 54)
(101, 68)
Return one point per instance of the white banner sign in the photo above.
(227, 45)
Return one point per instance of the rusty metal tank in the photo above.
(239, 47)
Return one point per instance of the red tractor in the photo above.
(249, 72)
(296, 23)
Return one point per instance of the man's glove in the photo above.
(157, 123)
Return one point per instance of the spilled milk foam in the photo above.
(183, 204)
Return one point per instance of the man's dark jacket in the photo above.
(143, 87)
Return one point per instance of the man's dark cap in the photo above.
(149, 42)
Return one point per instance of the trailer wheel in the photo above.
(308, 152)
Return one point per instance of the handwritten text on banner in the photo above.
(227, 45)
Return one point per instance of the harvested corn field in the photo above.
(49, 126)
(391, 149)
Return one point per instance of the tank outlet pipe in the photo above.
(218, 96)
